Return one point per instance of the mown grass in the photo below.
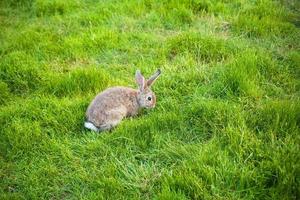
(226, 125)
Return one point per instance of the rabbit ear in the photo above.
(151, 80)
(140, 80)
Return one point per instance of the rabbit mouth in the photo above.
(150, 106)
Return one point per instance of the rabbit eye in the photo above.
(149, 98)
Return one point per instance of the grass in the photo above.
(226, 125)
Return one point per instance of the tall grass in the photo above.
(226, 124)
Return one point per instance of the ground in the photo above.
(226, 124)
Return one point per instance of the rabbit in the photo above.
(113, 104)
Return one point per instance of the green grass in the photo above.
(226, 125)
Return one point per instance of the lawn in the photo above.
(227, 120)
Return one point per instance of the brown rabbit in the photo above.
(113, 104)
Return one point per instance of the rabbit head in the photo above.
(146, 98)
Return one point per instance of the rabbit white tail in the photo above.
(91, 126)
